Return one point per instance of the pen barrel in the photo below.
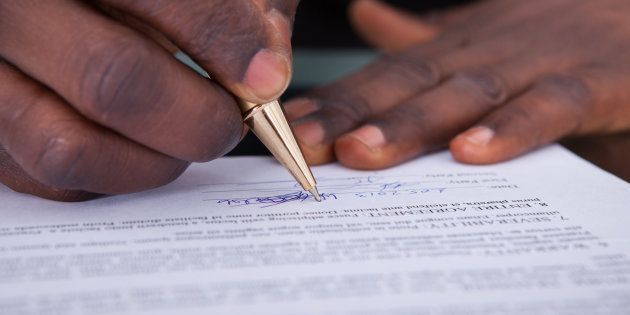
(270, 125)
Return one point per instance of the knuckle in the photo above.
(528, 120)
(353, 108)
(569, 93)
(573, 88)
(345, 111)
(522, 115)
(121, 80)
(401, 124)
(510, 115)
(488, 85)
(422, 71)
(59, 160)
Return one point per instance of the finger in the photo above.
(391, 77)
(58, 148)
(14, 177)
(119, 79)
(387, 27)
(244, 44)
(555, 107)
(428, 121)
(343, 106)
(393, 29)
(333, 110)
(139, 26)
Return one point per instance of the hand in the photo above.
(491, 80)
(90, 104)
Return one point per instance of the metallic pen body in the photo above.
(270, 125)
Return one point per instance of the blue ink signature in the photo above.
(274, 200)
(267, 194)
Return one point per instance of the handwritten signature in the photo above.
(388, 189)
(267, 194)
(274, 200)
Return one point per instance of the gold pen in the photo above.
(270, 125)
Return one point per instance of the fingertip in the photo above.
(464, 151)
(476, 145)
(363, 149)
(266, 77)
(353, 153)
(318, 155)
(310, 135)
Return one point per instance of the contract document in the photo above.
(547, 233)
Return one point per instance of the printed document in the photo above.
(547, 233)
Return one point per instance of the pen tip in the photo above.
(315, 194)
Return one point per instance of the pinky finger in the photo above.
(47, 144)
(14, 177)
(555, 107)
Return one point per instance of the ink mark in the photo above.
(269, 201)
(272, 193)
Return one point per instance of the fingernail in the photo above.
(310, 133)
(267, 75)
(371, 136)
(479, 136)
(299, 108)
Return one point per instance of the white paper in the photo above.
(545, 234)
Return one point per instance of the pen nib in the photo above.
(315, 194)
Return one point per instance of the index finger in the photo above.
(243, 44)
(119, 79)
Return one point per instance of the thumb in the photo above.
(244, 45)
(387, 27)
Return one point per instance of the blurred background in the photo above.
(327, 48)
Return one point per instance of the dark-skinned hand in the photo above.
(93, 102)
(491, 80)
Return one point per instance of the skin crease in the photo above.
(491, 80)
(93, 103)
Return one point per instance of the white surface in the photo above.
(546, 234)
